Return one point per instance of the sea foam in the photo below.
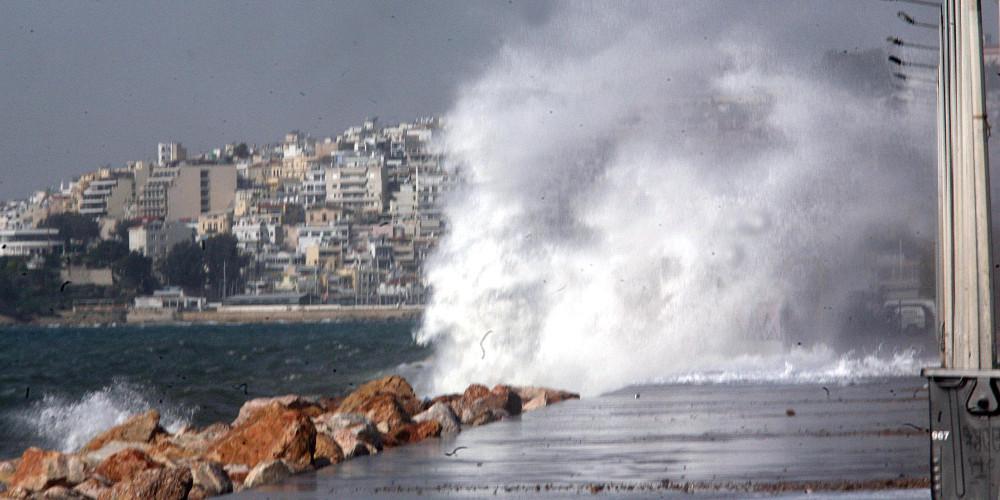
(67, 424)
(645, 199)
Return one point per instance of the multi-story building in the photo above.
(28, 242)
(356, 183)
(156, 238)
(170, 152)
(108, 197)
(185, 192)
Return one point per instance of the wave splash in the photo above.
(647, 200)
(68, 424)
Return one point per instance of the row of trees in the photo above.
(32, 288)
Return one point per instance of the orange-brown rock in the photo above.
(330, 405)
(92, 487)
(139, 428)
(198, 440)
(237, 474)
(62, 493)
(414, 433)
(327, 451)
(308, 406)
(7, 468)
(271, 433)
(40, 469)
(354, 433)
(534, 398)
(154, 484)
(385, 412)
(393, 385)
(480, 405)
(125, 464)
(166, 452)
(210, 479)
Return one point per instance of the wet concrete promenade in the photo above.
(865, 440)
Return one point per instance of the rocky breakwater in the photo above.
(270, 439)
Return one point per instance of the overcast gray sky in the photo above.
(84, 84)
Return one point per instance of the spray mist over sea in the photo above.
(667, 196)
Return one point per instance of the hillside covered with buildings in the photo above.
(345, 220)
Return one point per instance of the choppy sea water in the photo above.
(61, 386)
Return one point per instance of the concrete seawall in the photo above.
(265, 314)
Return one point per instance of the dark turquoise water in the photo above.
(60, 386)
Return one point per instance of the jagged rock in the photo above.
(385, 412)
(125, 464)
(441, 413)
(271, 433)
(269, 472)
(16, 492)
(62, 493)
(210, 478)
(197, 441)
(414, 433)
(309, 406)
(354, 433)
(7, 468)
(153, 484)
(327, 451)
(40, 469)
(480, 405)
(94, 458)
(197, 493)
(237, 474)
(330, 405)
(393, 385)
(139, 428)
(92, 487)
(534, 398)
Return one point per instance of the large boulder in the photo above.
(154, 484)
(271, 433)
(480, 405)
(534, 398)
(210, 478)
(94, 458)
(441, 413)
(139, 428)
(385, 412)
(355, 434)
(125, 464)
(309, 406)
(413, 433)
(7, 468)
(237, 474)
(327, 451)
(269, 472)
(62, 493)
(393, 385)
(199, 440)
(93, 487)
(40, 469)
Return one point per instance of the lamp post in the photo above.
(963, 391)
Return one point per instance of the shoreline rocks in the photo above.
(270, 439)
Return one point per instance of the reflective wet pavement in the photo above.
(731, 440)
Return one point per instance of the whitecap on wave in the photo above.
(807, 366)
(67, 424)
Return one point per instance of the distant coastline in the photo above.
(225, 315)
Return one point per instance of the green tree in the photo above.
(133, 273)
(184, 266)
(105, 253)
(223, 263)
(241, 151)
(122, 227)
(76, 230)
(28, 292)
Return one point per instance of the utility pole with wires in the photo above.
(964, 398)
